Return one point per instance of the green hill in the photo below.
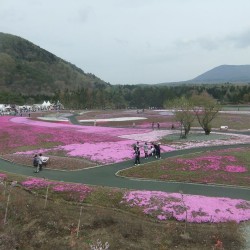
(30, 70)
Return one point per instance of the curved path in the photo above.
(106, 176)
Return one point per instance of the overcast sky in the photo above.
(135, 41)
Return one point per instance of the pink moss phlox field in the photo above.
(214, 163)
(101, 144)
(105, 152)
(199, 209)
(3, 177)
(37, 183)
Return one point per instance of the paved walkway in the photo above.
(106, 176)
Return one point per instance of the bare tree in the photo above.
(183, 111)
(205, 108)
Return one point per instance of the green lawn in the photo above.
(230, 167)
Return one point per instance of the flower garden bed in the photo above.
(230, 167)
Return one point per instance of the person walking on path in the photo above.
(137, 156)
(158, 125)
(36, 163)
(40, 162)
(137, 145)
(145, 147)
(152, 151)
(157, 150)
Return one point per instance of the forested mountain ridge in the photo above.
(30, 70)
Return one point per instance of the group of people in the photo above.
(149, 151)
(38, 161)
(153, 125)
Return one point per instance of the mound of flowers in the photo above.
(78, 191)
(190, 208)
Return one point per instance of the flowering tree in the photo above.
(205, 108)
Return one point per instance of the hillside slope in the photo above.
(27, 68)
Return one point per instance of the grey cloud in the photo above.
(204, 43)
(121, 41)
(83, 14)
(241, 40)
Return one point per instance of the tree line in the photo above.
(132, 96)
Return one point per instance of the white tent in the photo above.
(2, 107)
(46, 104)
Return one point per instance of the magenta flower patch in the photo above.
(3, 177)
(81, 190)
(211, 163)
(35, 183)
(235, 169)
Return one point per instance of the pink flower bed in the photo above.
(101, 144)
(80, 189)
(104, 152)
(3, 177)
(193, 208)
(214, 163)
(35, 183)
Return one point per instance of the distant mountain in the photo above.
(220, 74)
(28, 69)
(225, 73)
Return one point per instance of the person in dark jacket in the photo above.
(137, 156)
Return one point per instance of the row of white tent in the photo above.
(7, 107)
